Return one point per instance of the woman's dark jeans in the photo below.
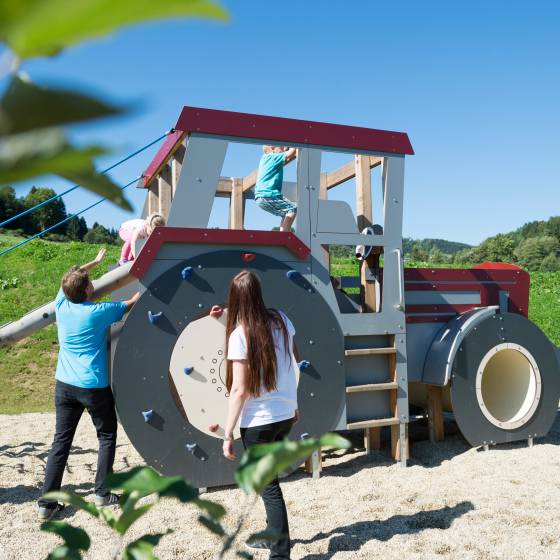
(70, 403)
(276, 515)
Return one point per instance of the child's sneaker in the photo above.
(257, 546)
(108, 500)
(47, 513)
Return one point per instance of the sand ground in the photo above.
(452, 502)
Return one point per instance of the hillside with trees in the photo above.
(75, 229)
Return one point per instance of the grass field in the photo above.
(30, 276)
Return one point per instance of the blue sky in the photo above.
(474, 84)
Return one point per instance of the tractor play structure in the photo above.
(455, 340)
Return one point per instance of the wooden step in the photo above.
(369, 351)
(377, 423)
(390, 385)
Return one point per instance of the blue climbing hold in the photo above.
(291, 274)
(153, 317)
(304, 364)
(186, 272)
(191, 447)
(147, 414)
(188, 370)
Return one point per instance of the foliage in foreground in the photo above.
(259, 465)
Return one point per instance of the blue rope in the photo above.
(56, 197)
(41, 233)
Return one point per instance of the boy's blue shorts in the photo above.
(277, 205)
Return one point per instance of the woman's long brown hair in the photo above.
(246, 308)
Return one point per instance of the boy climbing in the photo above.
(82, 380)
(268, 188)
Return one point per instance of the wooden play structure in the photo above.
(372, 345)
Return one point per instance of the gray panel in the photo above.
(141, 362)
(289, 190)
(361, 370)
(194, 195)
(420, 297)
(419, 338)
(367, 406)
(336, 216)
(494, 330)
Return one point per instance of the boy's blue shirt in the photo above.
(82, 335)
(270, 175)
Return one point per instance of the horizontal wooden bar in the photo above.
(369, 351)
(372, 387)
(348, 171)
(376, 423)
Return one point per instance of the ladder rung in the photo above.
(369, 351)
(377, 423)
(372, 387)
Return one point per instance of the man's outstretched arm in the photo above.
(88, 266)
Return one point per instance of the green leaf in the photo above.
(129, 517)
(32, 154)
(261, 463)
(27, 106)
(74, 500)
(214, 510)
(109, 516)
(63, 552)
(44, 27)
(73, 537)
(143, 548)
(146, 481)
(212, 526)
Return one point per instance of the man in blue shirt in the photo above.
(268, 187)
(82, 380)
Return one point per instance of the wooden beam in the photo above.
(180, 144)
(372, 439)
(153, 198)
(176, 166)
(348, 171)
(165, 191)
(435, 413)
(236, 204)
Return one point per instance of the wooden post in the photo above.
(372, 439)
(363, 192)
(435, 413)
(177, 165)
(314, 464)
(153, 197)
(236, 204)
(165, 191)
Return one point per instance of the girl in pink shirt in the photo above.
(131, 230)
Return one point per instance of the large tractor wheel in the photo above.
(169, 362)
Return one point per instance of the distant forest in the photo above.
(75, 229)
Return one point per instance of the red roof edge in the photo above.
(167, 148)
(248, 238)
(292, 131)
(497, 266)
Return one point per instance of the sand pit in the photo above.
(453, 501)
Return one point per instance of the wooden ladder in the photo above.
(372, 427)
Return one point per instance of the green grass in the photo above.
(30, 276)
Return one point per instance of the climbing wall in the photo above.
(169, 362)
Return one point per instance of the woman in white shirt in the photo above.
(262, 385)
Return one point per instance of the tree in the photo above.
(551, 263)
(10, 205)
(418, 253)
(532, 251)
(48, 215)
(99, 234)
(553, 227)
(77, 228)
(499, 248)
(437, 256)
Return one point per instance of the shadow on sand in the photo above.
(351, 538)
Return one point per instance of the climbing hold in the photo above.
(213, 428)
(304, 364)
(147, 414)
(291, 274)
(304, 436)
(248, 257)
(188, 370)
(186, 272)
(153, 317)
(191, 447)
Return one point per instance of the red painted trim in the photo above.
(292, 131)
(497, 266)
(245, 238)
(162, 155)
(487, 281)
